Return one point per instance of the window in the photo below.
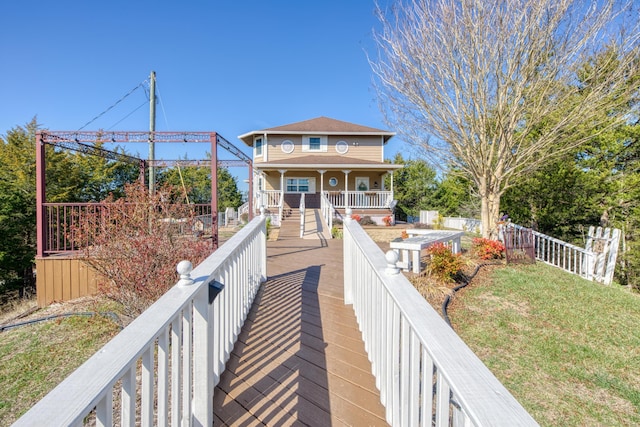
(297, 185)
(333, 181)
(258, 146)
(287, 146)
(342, 147)
(314, 143)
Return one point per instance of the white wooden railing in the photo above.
(328, 212)
(424, 371)
(360, 199)
(302, 214)
(269, 198)
(596, 261)
(190, 336)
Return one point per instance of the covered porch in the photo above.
(356, 185)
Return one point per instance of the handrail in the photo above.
(328, 212)
(189, 330)
(416, 358)
(360, 199)
(302, 216)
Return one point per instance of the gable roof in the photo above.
(320, 125)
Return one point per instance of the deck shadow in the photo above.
(277, 373)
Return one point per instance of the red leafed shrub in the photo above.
(136, 242)
(444, 264)
(388, 220)
(356, 217)
(487, 249)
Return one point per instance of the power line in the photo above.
(125, 117)
(116, 103)
(166, 122)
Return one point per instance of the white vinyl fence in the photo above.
(425, 373)
(163, 367)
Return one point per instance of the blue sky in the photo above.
(225, 66)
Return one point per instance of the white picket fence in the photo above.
(190, 331)
(425, 373)
(596, 261)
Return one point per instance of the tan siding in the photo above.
(61, 278)
(367, 148)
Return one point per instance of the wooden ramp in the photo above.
(299, 359)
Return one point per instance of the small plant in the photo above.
(366, 220)
(487, 249)
(356, 217)
(404, 234)
(268, 225)
(438, 224)
(336, 232)
(444, 264)
(388, 220)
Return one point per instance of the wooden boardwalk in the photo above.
(300, 359)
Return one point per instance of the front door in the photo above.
(362, 183)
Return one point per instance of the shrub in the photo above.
(366, 220)
(487, 249)
(336, 232)
(356, 217)
(136, 242)
(388, 220)
(443, 264)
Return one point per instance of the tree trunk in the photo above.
(490, 214)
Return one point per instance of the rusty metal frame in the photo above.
(84, 142)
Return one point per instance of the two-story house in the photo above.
(344, 162)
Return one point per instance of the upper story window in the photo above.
(314, 143)
(258, 146)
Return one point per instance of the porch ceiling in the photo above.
(315, 162)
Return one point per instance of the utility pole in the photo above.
(152, 129)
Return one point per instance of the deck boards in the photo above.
(299, 359)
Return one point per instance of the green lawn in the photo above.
(568, 349)
(34, 359)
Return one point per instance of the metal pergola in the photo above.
(85, 142)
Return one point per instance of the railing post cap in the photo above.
(184, 269)
(392, 260)
(348, 211)
(262, 210)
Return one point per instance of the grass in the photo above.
(35, 358)
(567, 349)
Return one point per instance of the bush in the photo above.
(444, 264)
(336, 232)
(388, 220)
(487, 249)
(136, 242)
(356, 217)
(367, 221)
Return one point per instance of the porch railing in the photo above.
(189, 331)
(360, 199)
(269, 198)
(423, 370)
(63, 218)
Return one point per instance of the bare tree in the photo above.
(497, 88)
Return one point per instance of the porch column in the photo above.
(391, 173)
(346, 188)
(282, 172)
(322, 172)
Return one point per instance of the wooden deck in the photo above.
(299, 359)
